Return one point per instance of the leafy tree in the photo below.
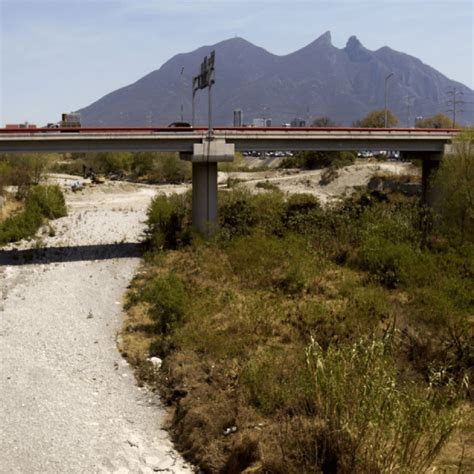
(23, 170)
(143, 162)
(455, 185)
(376, 119)
(116, 162)
(323, 122)
(436, 121)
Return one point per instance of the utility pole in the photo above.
(454, 102)
(182, 95)
(408, 110)
(385, 101)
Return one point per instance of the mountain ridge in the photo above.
(316, 80)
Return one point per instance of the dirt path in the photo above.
(68, 401)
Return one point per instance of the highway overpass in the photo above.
(205, 152)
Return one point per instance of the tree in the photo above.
(436, 121)
(323, 122)
(376, 119)
(455, 189)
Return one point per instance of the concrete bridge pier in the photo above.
(430, 165)
(204, 159)
(205, 197)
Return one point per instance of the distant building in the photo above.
(72, 119)
(20, 125)
(297, 122)
(238, 118)
(261, 122)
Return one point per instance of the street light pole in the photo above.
(385, 102)
(182, 95)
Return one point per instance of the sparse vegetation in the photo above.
(266, 185)
(41, 202)
(153, 167)
(334, 339)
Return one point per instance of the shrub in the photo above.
(236, 213)
(49, 200)
(328, 176)
(266, 185)
(166, 295)
(42, 202)
(303, 213)
(168, 221)
(171, 169)
(394, 264)
(24, 170)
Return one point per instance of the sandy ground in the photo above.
(296, 181)
(68, 401)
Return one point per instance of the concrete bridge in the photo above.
(205, 152)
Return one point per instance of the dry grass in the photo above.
(11, 207)
(259, 296)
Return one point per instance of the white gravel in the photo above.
(68, 401)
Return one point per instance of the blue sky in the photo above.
(61, 55)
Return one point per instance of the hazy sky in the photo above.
(61, 55)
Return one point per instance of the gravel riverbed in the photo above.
(68, 400)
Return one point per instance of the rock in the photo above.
(133, 441)
(156, 362)
(159, 464)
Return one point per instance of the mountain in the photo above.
(317, 80)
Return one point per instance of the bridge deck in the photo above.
(183, 139)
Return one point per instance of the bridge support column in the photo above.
(430, 165)
(204, 161)
(205, 197)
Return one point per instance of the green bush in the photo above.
(170, 168)
(236, 213)
(49, 200)
(310, 160)
(394, 264)
(42, 202)
(168, 221)
(303, 213)
(166, 295)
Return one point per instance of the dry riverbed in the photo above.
(68, 401)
